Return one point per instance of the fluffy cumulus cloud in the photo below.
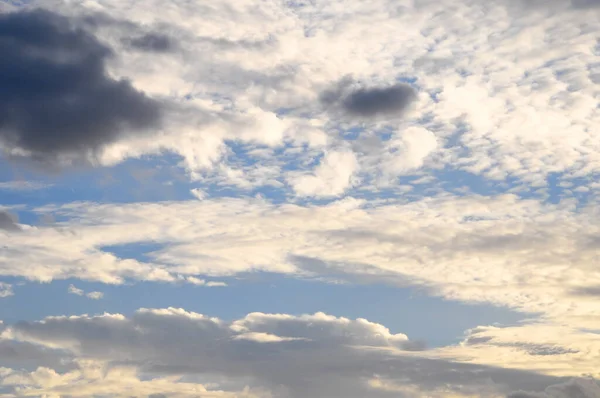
(172, 351)
(331, 177)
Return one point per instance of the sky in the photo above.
(300, 198)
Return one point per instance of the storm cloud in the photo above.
(57, 97)
(369, 102)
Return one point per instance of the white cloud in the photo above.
(5, 290)
(264, 337)
(23, 185)
(198, 193)
(410, 148)
(93, 379)
(79, 292)
(73, 290)
(474, 249)
(549, 348)
(502, 250)
(332, 177)
(201, 282)
(95, 295)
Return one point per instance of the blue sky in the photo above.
(275, 199)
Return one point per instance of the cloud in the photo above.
(95, 295)
(368, 102)
(299, 356)
(5, 290)
(72, 109)
(407, 151)
(593, 291)
(474, 249)
(548, 347)
(92, 379)
(331, 177)
(552, 4)
(74, 290)
(152, 42)
(576, 388)
(23, 185)
(8, 222)
(79, 292)
(529, 115)
(201, 282)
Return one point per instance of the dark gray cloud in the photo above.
(56, 96)
(373, 101)
(152, 42)
(369, 102)
(8, 221)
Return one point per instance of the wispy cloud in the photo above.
(79, 292)
(23, 185)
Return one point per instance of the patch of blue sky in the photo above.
(558, 187)
(436, 321)
(16, 3)
(462, 182)
(351, 133)
(140, 251)
(149, 177)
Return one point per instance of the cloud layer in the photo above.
(266, 355)
(518, 107)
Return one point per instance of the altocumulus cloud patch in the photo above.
(57, 98)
